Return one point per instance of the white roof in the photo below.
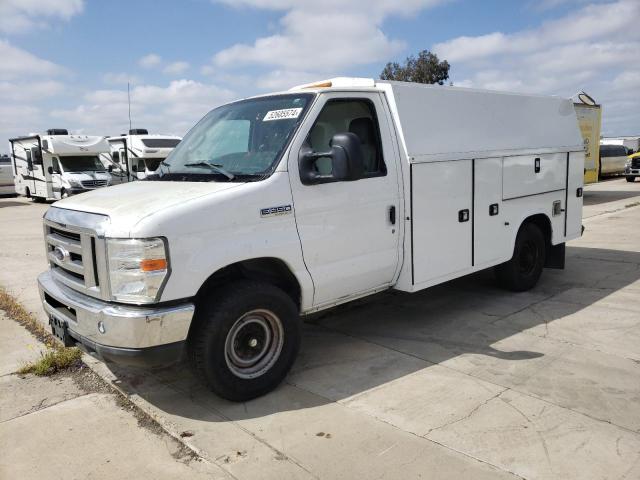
(75, 144)
(440, 123)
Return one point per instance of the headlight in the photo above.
(74, 183)
(138, 269)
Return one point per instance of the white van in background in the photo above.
(139, 154)
(613, 159)
(56, 165)
(6, 176)
(290, 203)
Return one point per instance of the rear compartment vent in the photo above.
(57, 131)
(138, 131)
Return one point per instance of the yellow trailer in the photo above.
(590, 120)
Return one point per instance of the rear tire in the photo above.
(522, 272)
(27, 192)
(245, 338)
(630, 179)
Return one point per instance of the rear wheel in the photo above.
(525, 267)
(27, 192)
(630, 179)
(245, 338)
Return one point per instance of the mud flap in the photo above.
(555, 256)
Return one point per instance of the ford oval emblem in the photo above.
(60, 254)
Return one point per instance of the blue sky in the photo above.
(66, 63)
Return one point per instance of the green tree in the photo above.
(427, 68)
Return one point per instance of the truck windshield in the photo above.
(244, 139)
(82, 163)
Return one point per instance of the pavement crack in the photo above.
(468, 415)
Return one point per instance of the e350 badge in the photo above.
(272, 211)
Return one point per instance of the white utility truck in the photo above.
(56, 165)
(285, 204)
(137, 154)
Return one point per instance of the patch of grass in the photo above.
(53, 361)
(57, 358)
(17, 312)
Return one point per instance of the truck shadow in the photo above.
(468, 325)
(597, 197)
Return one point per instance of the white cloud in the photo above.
(594, 48)
(20, 64)
(22, 16)
(314, 37)
(150, 61)
(120, 78)
(590, 23)
(28, 91)
(176, 68)
(170, 109)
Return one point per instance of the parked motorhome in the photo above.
(139, 154)
(6, 176)
(56, 165)
(613, 159)
(285, 204)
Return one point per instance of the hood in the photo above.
(129, 203)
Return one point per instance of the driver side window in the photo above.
(56, 165)
(348, 115)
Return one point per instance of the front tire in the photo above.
(244, 340)
(630, 179)
(64, 194)
(522, 272)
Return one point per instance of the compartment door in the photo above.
(526, 175)
(442, 219)
(492, 238)
(575, 184)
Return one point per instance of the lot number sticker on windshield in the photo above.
(282, 114)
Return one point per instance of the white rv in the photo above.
(290, 203)
(6, 176)
(56, 165)
(139, 154)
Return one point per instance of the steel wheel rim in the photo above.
(528, 257)
(254, 343)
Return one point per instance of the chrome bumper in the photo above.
(101, 325)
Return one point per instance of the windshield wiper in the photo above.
(213, 166)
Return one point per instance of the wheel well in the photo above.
(543, 223)
(269, 270)
(555, 254)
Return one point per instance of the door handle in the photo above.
(463, 215)
(392, 214)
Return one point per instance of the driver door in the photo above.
(349, 230)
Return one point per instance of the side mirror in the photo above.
(50, 170)
(346, 156)
(134, 168)
(110, 168)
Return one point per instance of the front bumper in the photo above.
(141, 336)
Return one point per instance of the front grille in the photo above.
(94, 183)
(635, 163)
(71, 255)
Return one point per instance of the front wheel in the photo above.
(630, 179)
(64, 193)
(244, 340)
(525, 267)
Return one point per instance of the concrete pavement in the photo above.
(462, 380)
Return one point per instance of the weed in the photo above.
(53, 361)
